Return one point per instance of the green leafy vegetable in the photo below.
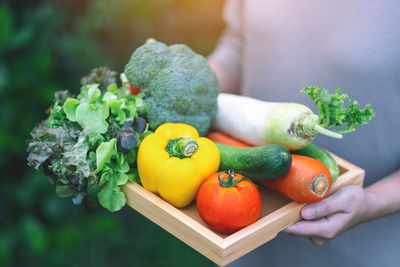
(111, 197)
(332, 110)
(355, 116)
(92, 118)
(89, 143)
(104, 153)
(115, 106)
(76, 155)
(93, 93)
(102, 76)
(56, 117)
(133, 177)
(69, 108)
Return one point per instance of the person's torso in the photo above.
(351, 44)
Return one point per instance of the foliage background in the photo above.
(48, 45)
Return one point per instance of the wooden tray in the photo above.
(278, 212)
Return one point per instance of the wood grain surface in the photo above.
(278, 212)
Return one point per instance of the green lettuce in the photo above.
(89, 142)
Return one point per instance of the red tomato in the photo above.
(133, 90)
(228, 202)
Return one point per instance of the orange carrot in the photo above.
(308, 180)
(226, 139)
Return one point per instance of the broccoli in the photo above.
(177, 85)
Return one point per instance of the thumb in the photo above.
(332, 204)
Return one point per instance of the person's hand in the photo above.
(333, 215)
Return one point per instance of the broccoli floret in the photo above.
(177, 85)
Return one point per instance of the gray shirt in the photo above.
(274, 48)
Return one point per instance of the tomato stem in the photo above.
(230, 182)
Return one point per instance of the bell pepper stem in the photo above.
(182, 147)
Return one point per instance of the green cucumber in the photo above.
(314, 151)
(259, 162)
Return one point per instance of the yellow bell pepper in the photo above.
(174, 160)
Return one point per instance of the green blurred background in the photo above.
(47, 46)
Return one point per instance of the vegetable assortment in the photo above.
(146, 127)
(308, 178)
(88, 144)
